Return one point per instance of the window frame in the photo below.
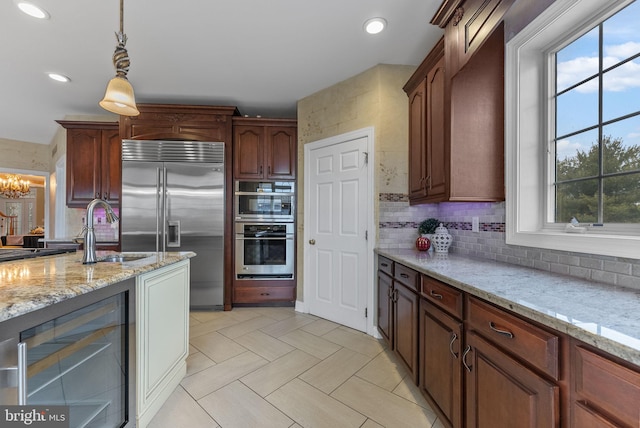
(529, 135)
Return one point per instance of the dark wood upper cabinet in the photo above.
(467, 25)
(93, 162)
(179, 122)
(456, 107)
(264, 149)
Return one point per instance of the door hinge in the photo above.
(365, 312)
(366, 158)
(366, 235)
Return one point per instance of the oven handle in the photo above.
(237, 193)
(242, 238)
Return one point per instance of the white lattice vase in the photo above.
(441, 239)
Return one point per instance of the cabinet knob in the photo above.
(312, 241)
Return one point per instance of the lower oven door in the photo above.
(264, 252)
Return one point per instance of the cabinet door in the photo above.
(281, 152)
(405, 327)
(417, 147)
(111, 171)
(604, 390)
(385, 312)
(440, 365)
(473, 22)
(83, 166)
(248, 152)
(501, 392)
(435, 134)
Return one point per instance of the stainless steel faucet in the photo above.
(90, 236)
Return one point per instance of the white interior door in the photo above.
(336, 282)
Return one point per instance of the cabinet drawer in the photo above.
(408, 277)
(263, 294)
(385, 265)
(606, 387)
(532, 344)
(442, 295)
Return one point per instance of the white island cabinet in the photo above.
(162, 331)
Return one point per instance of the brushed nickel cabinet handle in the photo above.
(312, 241)
(453, 339)
(435, 295)
(506, 333)
(464, 358)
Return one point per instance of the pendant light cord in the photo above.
(122, 16)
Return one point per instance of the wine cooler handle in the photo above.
(22, 374)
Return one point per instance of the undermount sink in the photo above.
(122, 258)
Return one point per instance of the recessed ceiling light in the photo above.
(375, 25)
(59, 77)
(32, 9)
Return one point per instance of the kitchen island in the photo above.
(490, 343)
(39, 300)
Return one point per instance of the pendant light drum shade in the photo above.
(119, 97)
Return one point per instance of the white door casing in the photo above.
(339, 234)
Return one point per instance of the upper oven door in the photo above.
(264, 201)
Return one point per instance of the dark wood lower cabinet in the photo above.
(440, 364)
(405, 327)
(385, 308)
(501, 392)
(482, 366)
(606, 392)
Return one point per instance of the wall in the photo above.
(20, 155)
(372, 98)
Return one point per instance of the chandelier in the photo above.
(13, 186)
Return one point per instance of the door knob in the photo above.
(312, 241)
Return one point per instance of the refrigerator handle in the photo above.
(165, 210)
(158, 210)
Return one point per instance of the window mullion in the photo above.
(600, 120)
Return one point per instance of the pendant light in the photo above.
(119, 97)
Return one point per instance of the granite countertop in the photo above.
(28, 285)
(605, 316)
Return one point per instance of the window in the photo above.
(572, 143)
(597, 123)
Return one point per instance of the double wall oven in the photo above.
(265, 230)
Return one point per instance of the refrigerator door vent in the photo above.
(172, 151)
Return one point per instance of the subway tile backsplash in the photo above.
(398, 228)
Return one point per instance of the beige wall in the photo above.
(375, 99)
(21, 155)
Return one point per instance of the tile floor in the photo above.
(274, 367)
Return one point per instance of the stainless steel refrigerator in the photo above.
(173, 200)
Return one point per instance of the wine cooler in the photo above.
(80, 359)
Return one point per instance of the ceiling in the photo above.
(261, 56)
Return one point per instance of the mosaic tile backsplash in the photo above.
(398, 228)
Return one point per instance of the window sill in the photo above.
(599, 244)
